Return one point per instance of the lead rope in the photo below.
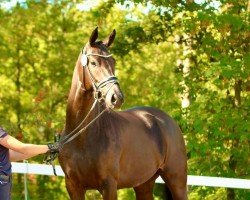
(49, 159)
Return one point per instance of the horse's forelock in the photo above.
(99, 46)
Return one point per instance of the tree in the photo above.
(217, 83)
(39, 44)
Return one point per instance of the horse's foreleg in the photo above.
(110, 189)
(74, 190)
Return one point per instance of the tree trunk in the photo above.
(18, 135)
(18, 89)
(235, 143)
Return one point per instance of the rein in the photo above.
(72, 135)
(111, 79)
(50, 157)
(98, 95)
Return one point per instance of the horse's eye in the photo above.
(93, 63)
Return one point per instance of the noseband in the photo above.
(98, 86)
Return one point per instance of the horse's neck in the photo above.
(78, 108)
(79, 105)
(80, 102)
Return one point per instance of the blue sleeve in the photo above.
(2, 133)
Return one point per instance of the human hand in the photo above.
(54, 147)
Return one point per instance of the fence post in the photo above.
(25, 180)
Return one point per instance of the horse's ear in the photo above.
(93, 37)
(109, 40)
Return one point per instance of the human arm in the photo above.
(19, 150)
(16, 156)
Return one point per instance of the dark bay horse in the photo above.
(116, 149)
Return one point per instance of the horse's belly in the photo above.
(137, 168)
(134, 180)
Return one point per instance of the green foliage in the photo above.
(39, 45)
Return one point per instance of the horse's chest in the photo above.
(82, 161)
(89, 166)
(82, 169)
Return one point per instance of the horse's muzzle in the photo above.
(114, 97)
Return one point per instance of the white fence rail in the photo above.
(41, 169)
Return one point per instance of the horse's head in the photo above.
(98, 69)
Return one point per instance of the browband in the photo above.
(84, 58)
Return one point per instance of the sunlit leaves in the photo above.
(44, 39)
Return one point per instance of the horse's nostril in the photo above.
(114, 99)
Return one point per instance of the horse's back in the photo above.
(150, 115)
